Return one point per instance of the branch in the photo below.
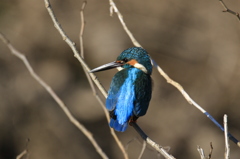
(167, 78)
(226, 9)
(114, 8)
(54, 96)
(143, 149)
(119, 143)
(72, 46)
(211, 150)
(227, 146)
(25, 152)
(150, 141)
(202, 154)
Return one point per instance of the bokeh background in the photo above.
(194, 42)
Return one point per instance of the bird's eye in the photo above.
(124, 60)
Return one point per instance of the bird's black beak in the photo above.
(106, 67)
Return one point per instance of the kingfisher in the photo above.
(131, 88)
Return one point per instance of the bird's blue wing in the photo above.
(129, 94)
(114, 90)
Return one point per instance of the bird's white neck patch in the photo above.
(140, 67)
(135, 64)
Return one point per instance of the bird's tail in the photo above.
(118, 127)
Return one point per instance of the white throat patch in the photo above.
(120, 68)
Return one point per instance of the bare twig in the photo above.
(54, 96)
(82, 28)
(201, 152)
(22, 154)
(227, 146)
(226, 9)
(167, 78)
(114, 8)
(72, 46)
(119, 143)
(211, 150)
(143, 149)
(151, 142)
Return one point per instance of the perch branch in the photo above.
(54, 96)
(150, 141)
(119, 143)
(167, 78)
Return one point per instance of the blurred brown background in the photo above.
(193, 41)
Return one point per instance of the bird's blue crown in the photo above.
(136, 53)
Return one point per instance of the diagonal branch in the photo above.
(150, 141)
(226, 9)
(119, 143)
(114, 8)
(25, 152)
(54, 96)
(73, 47)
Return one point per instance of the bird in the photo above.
(130, 91)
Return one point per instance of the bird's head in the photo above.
(133, 57)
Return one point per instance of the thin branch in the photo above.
(143, 149)
(201, 152)
(82, 47)
(119, 143)
(211, 150)
(137, 140)
(151, 142)
(82, 28)
(167, 78)
(227, 146)
(72, 46)
(114, 8)
(226, 9)
(54, 96)
(25, 152)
